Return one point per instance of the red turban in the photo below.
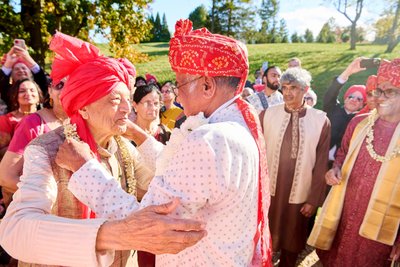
(356, 88)
(91, 76)
(128, 66)
(390, 71)
(150, 78)
(202, 53)
(371, 83)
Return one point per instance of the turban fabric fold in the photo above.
(390, 71)
(91, 76)
(372, 83)
(200, 52)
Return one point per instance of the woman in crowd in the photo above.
(147, 102)
(171, 112)
(30, 127)
(25, 96)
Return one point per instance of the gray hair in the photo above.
(297, 75)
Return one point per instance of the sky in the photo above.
(298, 14)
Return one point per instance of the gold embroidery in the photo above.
(127, 162)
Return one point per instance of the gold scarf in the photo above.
(381, 221)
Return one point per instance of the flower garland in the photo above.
(127, 161)
(370, 140)
(176, 139)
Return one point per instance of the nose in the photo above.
(125, 106)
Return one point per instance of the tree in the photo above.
(294, 38)
(283, 32)
(326, 35)
(36, 20)
(165, 35)
(308, 36)
(199, 17)
(267, 12)
(342, 6)
(394, 34)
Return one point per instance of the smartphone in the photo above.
(20, 43)
(370, 63)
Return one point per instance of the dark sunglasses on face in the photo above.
(359, 99)
(308, 98)
(59, 86)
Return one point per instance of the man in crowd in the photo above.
(297, 139)
(354, 100)
(19, 65)
(270, 96)
(294, 62)
(359, 222)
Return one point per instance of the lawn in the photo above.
(324, 61)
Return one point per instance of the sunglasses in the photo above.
(308, 98)
(359, 99)
(59, 86)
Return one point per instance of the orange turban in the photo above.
(371, 83)
(390, 71)
(200, 52)
(91, 76)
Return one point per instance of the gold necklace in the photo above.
(370, 140)
(127, 162)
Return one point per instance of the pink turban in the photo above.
(356, 88)
(129, 66)
(91, 76)
(390, 71)
(200, 52)
(371, 83)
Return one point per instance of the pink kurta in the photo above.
(349, 248)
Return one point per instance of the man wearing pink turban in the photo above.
(44, 213)
(359, 221)
(215, 163)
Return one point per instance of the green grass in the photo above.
(324, 61)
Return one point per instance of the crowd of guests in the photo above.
(344, 158)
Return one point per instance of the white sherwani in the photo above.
(215, 175)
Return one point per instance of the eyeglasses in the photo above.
(357, 98)
(388, 93)
(148, 104)
(308, 98)
(168, 91)
(59, 86)
(176, 89)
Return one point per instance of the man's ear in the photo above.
(84, 113)
(209, 87)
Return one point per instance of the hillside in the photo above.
(324, 61)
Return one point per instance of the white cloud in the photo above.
(313, 18)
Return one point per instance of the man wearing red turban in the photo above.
(96, 98)
(215, 163)
(359, 222)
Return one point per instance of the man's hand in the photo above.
(333, 176)
(152, 230)
(354, 67)
(23, 54)
(308, 210)
(395, 254)
(73, 154)
(135, 133)
(11, 58)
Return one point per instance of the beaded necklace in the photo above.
(370, 141)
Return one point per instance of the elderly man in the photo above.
(359, 222)
(19, 65)
(297, 138)
(44, 213)
(270, 95)
(211, 163)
